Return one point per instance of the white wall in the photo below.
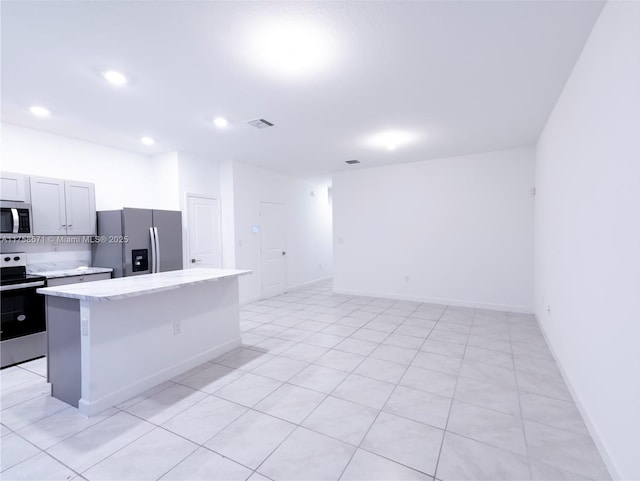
(453, 231)
(125, 179)
(164, 175)
(310, 232)
(122, 178)
(198, 176)
(587, 235)
(227, 211)
(308, 221)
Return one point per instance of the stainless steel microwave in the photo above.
(16, 219)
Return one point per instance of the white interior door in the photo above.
(203, 216)
(272, 247)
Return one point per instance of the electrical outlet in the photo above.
(177, 328)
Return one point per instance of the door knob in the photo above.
(284, 253)
(193, 261)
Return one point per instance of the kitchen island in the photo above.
(110, 340)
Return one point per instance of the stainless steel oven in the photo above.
(15, 219)
(23, 333)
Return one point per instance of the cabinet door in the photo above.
(48, 206)
(14, 187)
(81, 208)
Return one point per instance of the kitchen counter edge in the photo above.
(56, 274)
(127, 287)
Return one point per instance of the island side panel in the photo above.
(134, 344)
(63, 349)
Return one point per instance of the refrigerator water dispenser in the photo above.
(139, 260)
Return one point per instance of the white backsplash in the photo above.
(53, 256)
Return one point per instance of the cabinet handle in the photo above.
(64, 225)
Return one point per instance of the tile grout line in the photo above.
(44, 451)
(375, 419)
(515, 375)
(322, 302)
(453, 396)
(381, 410)
(202, 445)
(155, 425)
(522, 418)
(313, 410)
(267, 414)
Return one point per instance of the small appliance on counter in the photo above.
(23, 333)
(138, 241)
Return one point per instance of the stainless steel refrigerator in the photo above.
(138, 241)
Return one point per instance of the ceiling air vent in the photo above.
(260, 123)
(352, 161)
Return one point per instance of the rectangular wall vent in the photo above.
(260, 123)
(352, 161)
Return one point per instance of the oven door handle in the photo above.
(15, 287)
(16, 220)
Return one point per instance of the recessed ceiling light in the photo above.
(290, 47)
(391, 139)
(40, 111)
(147, 141)
(114, 77)
(220, 122)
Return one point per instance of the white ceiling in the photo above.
(460, 77)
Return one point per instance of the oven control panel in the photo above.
(13, 259)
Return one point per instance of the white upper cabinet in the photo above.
(14, 187)
(62, 207)
(81, 207)
(48, 206)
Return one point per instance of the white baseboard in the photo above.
(91, 408)
(593, 431)
(438, 300)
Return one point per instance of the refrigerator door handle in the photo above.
(157, 256)
(153, 249)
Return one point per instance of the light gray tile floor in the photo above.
(329, 387)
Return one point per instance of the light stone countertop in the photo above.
(126, 287)
(78, 271)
